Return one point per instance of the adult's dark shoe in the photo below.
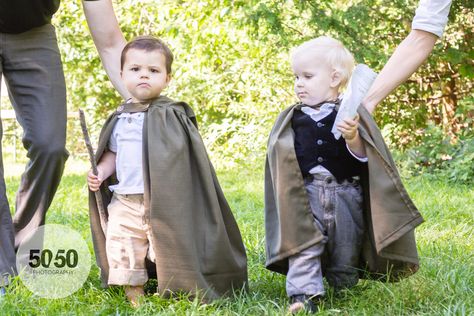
(304, 302)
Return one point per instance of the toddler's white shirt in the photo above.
(126, 141)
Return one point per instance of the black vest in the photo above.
(316, 145)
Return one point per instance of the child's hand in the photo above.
(348, 128)
(94, 181)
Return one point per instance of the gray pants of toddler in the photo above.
(337, 211)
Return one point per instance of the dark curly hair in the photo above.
(148, 43)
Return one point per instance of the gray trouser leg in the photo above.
(337, 211)
(305, 273)
(7, 239)
(305, 270)
(34, 76)
(345, 231)
(7, 250)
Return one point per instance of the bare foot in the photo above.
(134, 293)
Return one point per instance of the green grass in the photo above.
(444, 284)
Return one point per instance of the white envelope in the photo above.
(358, 86)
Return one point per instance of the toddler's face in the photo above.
(313, 78)
(144, 74)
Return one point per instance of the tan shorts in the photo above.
(128, 240)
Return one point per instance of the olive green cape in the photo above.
(197, 241)
(389, 248)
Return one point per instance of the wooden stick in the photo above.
(98, 195)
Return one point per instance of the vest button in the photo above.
(320, 159)
(320, 124)
(319, 142)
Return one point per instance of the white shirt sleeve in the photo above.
(432, 16)
(361, 159)
(113, 141)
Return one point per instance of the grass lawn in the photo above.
(444, 284)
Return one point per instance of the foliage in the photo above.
(460, 167)
(440, 156)
(232, 64)
(372, 29)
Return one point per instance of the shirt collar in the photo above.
(319, 105)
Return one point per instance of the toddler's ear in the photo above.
(336, 79)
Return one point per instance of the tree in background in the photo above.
(232, 64)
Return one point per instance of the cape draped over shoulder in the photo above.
(196, 239)
(389, 248)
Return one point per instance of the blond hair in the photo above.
(331, 51)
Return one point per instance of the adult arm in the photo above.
(406, 59)
(429, 22)
(108, 39)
